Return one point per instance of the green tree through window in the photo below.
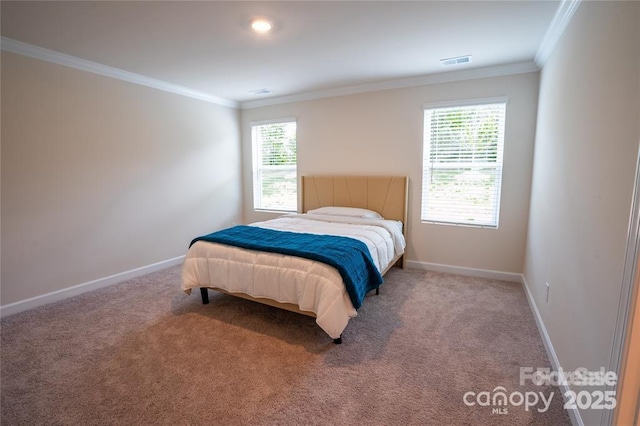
(278, 148)
(274, 166)
(462, 166)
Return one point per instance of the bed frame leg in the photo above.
(378, 291)
(205, 295)
(338, 341)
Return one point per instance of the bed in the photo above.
(336, 206)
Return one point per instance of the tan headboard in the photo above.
(387, 195)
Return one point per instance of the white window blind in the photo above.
(275, 176)
(462, 163)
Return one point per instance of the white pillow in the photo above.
(346, 211)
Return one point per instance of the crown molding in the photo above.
(25, 49)
(446, 77)
(561, 19)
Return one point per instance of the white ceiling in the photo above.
(314, 46)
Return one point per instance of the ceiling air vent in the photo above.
(456, 61)
(260, 91)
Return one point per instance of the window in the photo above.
(462, 162)
(275, 176)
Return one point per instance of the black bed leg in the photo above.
(378, 291)
(338, 341)
(205, 295)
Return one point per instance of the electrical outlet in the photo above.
(548, 288)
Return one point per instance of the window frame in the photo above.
(500, 163)
(256, 166)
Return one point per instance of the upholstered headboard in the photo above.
(387, 195)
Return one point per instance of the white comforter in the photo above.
(313, 286)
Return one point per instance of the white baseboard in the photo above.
(574, 414)
(461, 270)
(23, 305)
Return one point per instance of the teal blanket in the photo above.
(349, 256)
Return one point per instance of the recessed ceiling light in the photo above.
(456, 61)
(261, 25)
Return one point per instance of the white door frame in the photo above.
(629, 280)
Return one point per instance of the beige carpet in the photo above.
(143, 352)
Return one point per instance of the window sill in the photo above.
(464, 225)
(274, 211)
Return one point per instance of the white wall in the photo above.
(381, 133)
(585, 157)
(100, 176)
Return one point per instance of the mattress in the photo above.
(315, 287)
